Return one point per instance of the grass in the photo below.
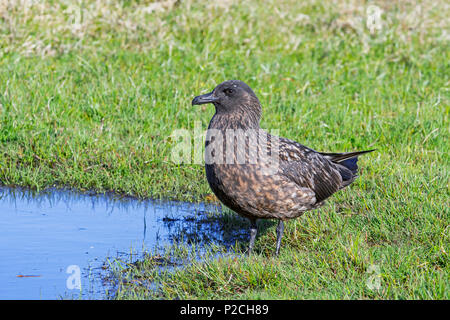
(91, 91)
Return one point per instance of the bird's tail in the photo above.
(346, 159)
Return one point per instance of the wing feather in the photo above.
(309, 169)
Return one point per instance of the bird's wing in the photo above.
(309, 169)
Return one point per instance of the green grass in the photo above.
(90, 94)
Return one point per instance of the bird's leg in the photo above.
(280, 230)
(253, 232)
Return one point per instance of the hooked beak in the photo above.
(205, 98)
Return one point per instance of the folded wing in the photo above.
(324, 173)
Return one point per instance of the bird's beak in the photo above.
(205, 98)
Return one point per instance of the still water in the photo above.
(46, 238)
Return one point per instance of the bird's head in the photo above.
(232, 96)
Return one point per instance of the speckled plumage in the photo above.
(284, 180)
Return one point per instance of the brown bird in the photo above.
(262, 176)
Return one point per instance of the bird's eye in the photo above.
(228, 91)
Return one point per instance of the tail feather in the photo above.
(347, 163)
(351, 164)
(339, 157)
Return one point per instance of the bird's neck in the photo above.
(240, 118)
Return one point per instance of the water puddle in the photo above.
(51, 240)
